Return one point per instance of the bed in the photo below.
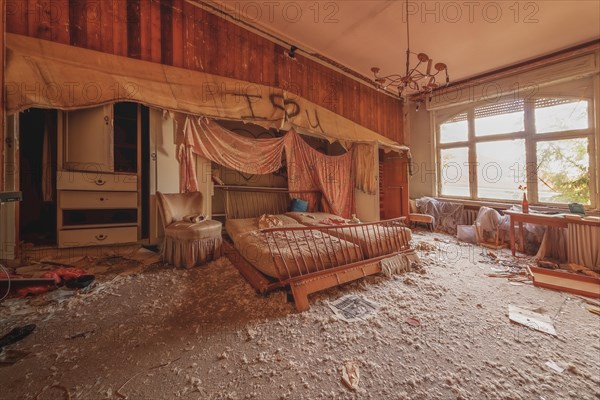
(373, 239)
(300, 254)
(275, 253)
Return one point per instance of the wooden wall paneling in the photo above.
(267, 65)
(3, 21)
(209, 53)
(202, 48)
(59, 21)
(106, 21)
(188, 28)
(16, 17)
(166, 32)
(90, 12)
(39, 19)
(177, 33)
(77, 24)
(247, 61)
(134, 39)
(155, 41)
(119, 27)
(146, 22)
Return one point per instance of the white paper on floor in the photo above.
(531, 319)
(352, 308)
(554, 366)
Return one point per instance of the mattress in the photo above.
(290, 253)
(373, 240)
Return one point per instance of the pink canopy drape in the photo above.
(332, 175)
(307, 168)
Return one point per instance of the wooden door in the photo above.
(393, 185)
(88, 144)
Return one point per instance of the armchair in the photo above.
(187, 244)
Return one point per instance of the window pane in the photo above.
(455, 129)
(501, 169)
(555, 115)
(455, 172)
(563, 171)
(494, 119)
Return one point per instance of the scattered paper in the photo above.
(531, 319)
(352, 308)
(351, 375)
(554, 366)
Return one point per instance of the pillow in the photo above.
(299, 205)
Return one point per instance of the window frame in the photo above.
(531, 139)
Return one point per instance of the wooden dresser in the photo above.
(98, 182)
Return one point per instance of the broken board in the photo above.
(531, 319)
(567, 282)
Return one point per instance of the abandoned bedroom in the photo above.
(386, 199)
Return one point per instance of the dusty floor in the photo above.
(205, 334)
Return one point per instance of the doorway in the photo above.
(37, 176)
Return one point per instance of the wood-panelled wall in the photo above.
(178, 33)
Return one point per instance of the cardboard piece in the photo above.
(531, 319)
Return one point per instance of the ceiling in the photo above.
(471, 40)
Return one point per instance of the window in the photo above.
(453, 171)
(488, 150)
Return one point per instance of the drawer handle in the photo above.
(103, 199)
(99, 182)
(101, 236)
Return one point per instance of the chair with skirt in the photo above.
(190, 239)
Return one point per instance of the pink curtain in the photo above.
(209, 140)
(332, 175)
(307, 168)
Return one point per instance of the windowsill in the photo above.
(504, 205)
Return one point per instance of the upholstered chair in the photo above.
(188, 242)
(415, 217)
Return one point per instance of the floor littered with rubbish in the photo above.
(439, 332)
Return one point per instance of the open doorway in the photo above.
(37, 176)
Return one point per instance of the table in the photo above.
(540, 219)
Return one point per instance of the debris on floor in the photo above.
(352, 308)
(351, 375)
(566, 282)
(593, 309)
(531, 319)
(555, 367)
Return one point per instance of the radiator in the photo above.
(469, 216)
(584, 245)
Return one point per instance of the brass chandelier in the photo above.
(420, 78)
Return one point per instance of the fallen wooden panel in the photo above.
(566, 282)
(531, 319)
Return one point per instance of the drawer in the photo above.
(76, 199)
(96, 236)
(74, 180)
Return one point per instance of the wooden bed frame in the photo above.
(324, 275)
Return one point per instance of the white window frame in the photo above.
(531, 139)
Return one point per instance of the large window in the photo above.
(493, 150)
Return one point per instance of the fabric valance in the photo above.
(46, 74)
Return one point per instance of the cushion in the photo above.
(299, 205)
(425, 218)
(194, 231)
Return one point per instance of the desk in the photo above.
(540, 219)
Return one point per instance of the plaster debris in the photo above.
(351, 375)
